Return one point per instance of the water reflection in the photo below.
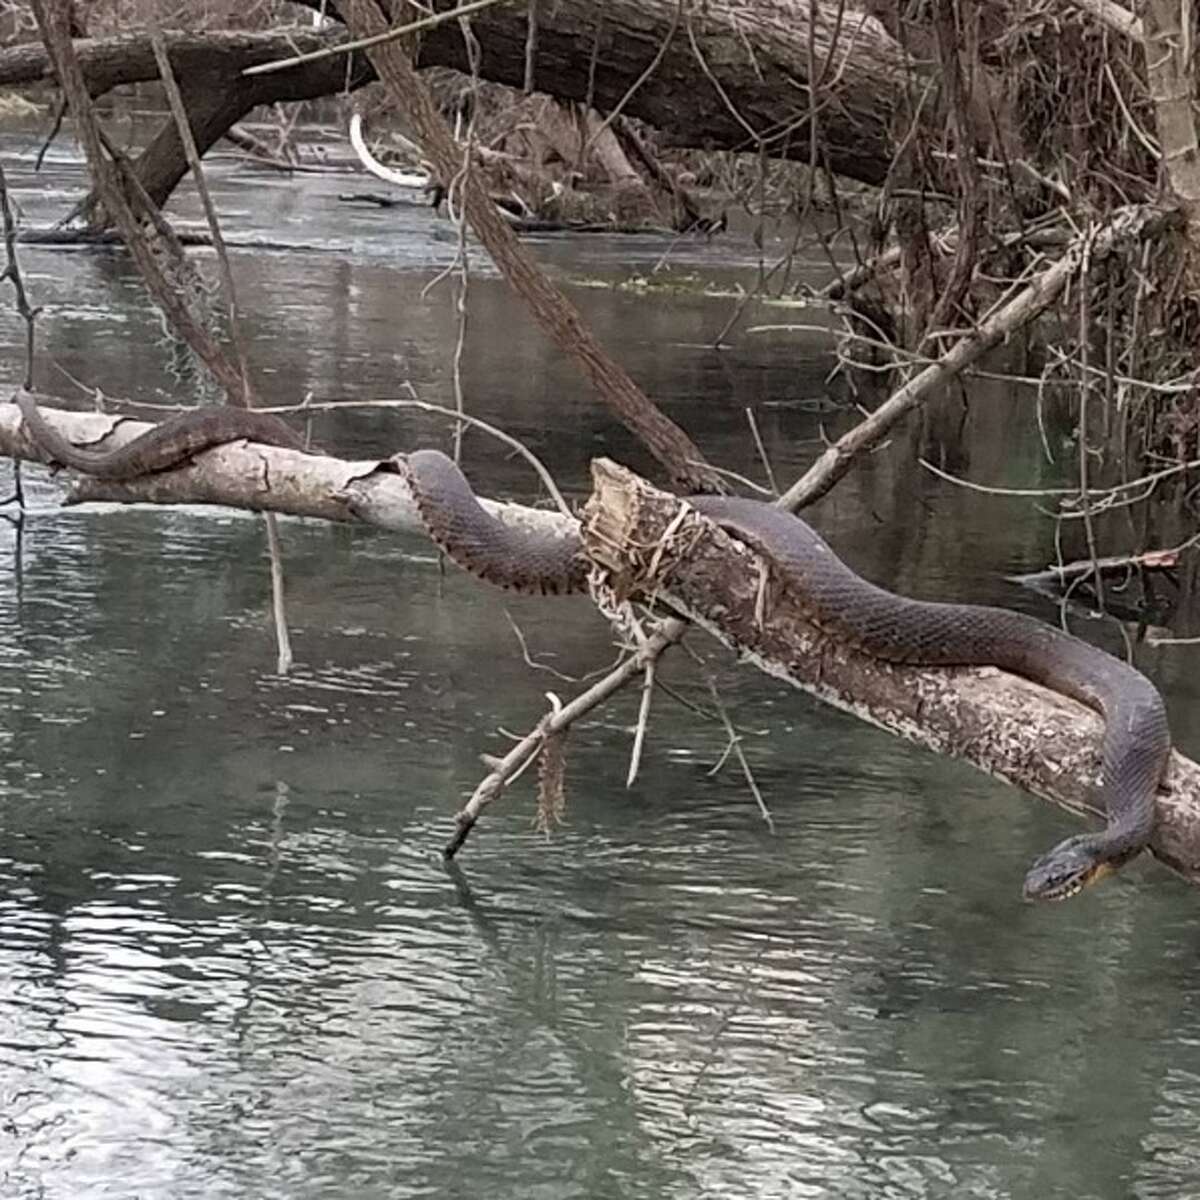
(232, 963)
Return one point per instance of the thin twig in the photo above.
(12, 273)
(462, 291)
(531, 38)
(1142, 482)
(184, 129)
(491, 787)
(663, 46)
(735, 742)
(762, 451)
(278, 610)
(530, 661)
(1085, 339)
(639, 736)
(439, 18)
(528, 455)
(29, 314)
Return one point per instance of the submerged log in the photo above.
(1010, 728)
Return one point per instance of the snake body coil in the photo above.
(895, 629)
(170, 442)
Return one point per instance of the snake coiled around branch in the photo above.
(166, 445)
(892, 628)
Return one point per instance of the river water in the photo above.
(232, 963)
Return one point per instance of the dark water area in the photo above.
(232, 963)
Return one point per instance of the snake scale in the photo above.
(170, 442)
(891, 628)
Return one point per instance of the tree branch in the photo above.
(249, 476)
(1005, 320)
(1008, 727)
(1051, 748)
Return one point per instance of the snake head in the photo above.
(1067, 869)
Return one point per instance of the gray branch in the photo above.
(1010, 728)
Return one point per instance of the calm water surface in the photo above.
(231, 960)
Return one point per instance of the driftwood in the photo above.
(697, 571)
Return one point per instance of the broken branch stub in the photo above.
(703, 574)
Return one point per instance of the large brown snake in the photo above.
(896, 629)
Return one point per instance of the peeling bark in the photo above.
(1052, 749)
(248, 476)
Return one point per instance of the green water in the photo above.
(232, 963)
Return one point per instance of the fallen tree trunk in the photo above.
(731, 77)
(1008, 727)
(210, 69)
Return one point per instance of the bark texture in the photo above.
(1008, 727)
(732, 77)
(1169, 72)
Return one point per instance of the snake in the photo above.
(892, 628)
(170, 442)
(886, 626)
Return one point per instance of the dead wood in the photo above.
(1051, 749)
(1056, 579)
(734, 78)
(241, 475)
